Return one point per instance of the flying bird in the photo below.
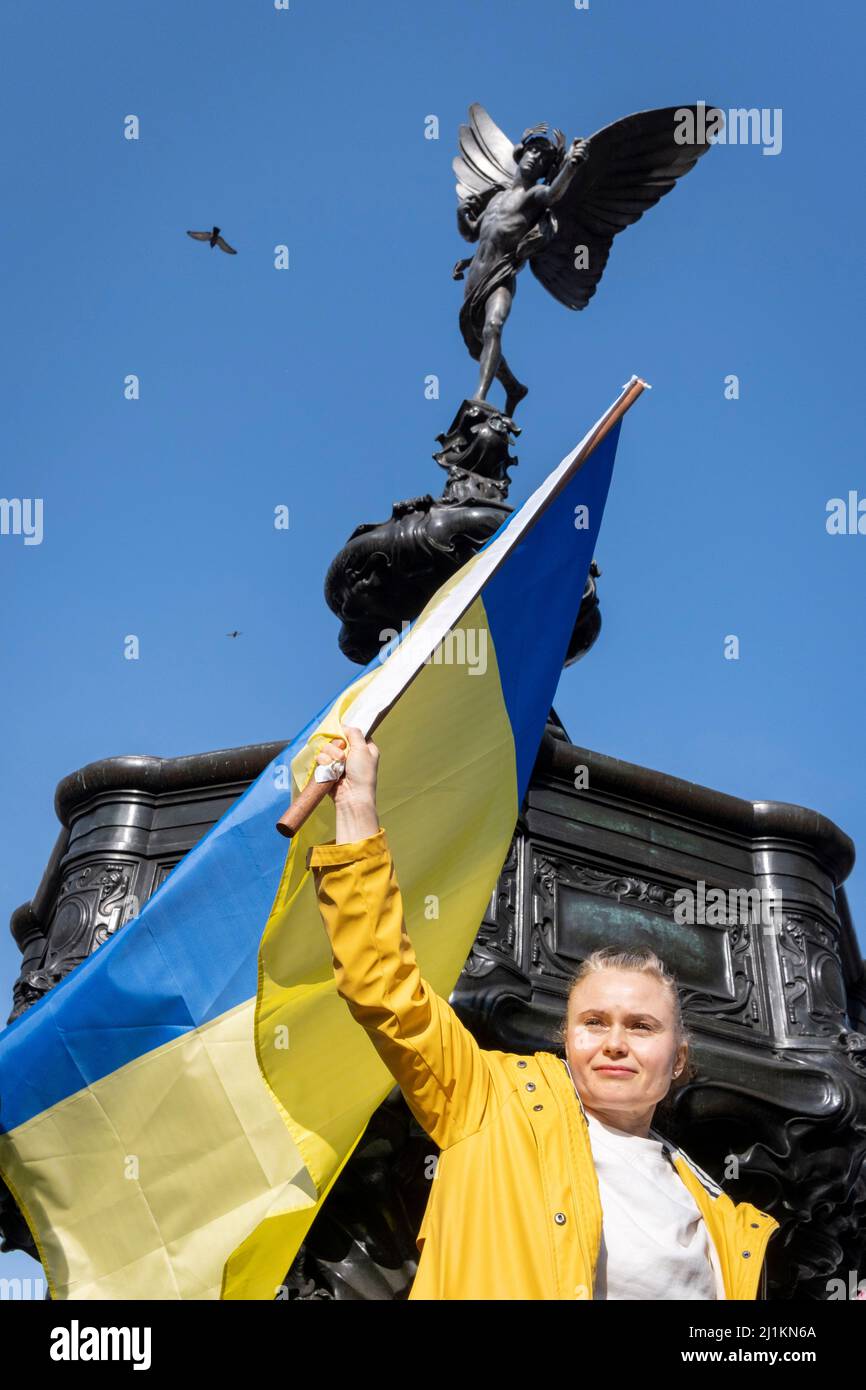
(233, 634)
(215, 240)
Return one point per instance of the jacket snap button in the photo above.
(559, 1218)
(530, 1085)
(538, 1107)
(521, 1064)
(755, 1224)
(746, 1254)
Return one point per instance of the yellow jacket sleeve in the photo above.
(433, 1057)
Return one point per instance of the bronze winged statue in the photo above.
(558, 208)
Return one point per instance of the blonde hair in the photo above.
(647, 962)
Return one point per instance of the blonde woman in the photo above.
(551, 1182)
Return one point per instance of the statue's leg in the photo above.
(514, 389)
(496, 311)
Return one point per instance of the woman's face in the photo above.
(621, 1046)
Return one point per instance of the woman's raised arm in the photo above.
(435, 1060)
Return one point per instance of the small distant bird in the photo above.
(233, 634)
(215, 240)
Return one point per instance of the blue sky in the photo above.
(306, 387)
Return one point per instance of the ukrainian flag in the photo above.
(174, 1112)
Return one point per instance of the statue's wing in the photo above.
(485, 161)
(630, 165)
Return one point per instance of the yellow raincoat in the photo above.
(514, 1210)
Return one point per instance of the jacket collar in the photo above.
(564, 1061)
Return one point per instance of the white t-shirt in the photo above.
(655, 1243)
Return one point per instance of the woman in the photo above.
(551, 1182)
